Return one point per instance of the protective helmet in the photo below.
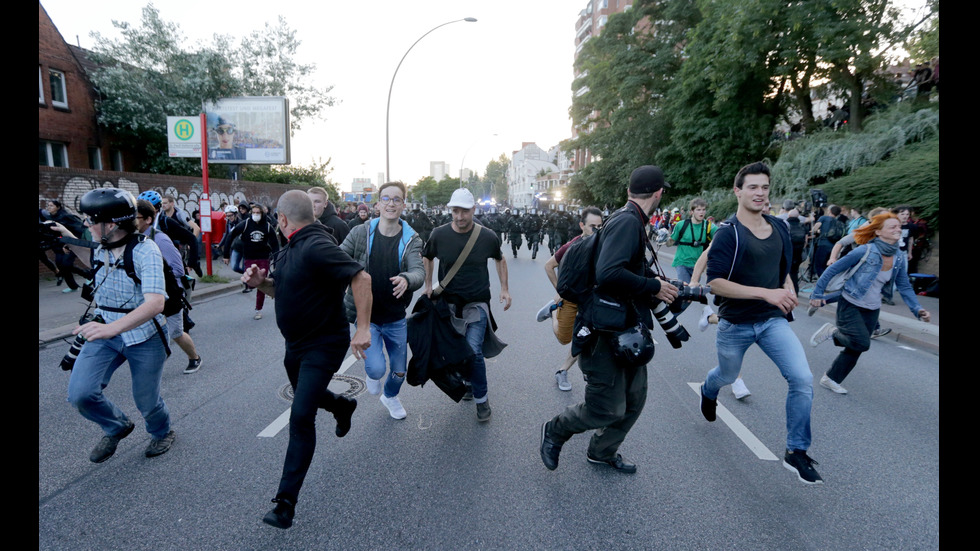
(151, 196)
(108, 204)
(633, 346)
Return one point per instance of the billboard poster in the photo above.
(248, 130)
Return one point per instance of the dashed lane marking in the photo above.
(745, 435)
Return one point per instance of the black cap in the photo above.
(647, 179)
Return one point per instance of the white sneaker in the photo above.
(562, 378)
(545, 311)
(739, 389)
(829, 383)
(373, 385)
(824, 333)
(394, 406)
(258, 315)
(703, 323)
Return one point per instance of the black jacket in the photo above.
(311, 275)
(258, 238)
(439, 352)
(337, 226)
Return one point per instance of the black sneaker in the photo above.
(107, 446)
(616, 463)
(282, 515)
(192, 366)
(162, 445)
(483, 411)
(343, 415)
(707, 406)
(549, 450)
(880, 332)
(802, 465)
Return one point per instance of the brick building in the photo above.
(67, 130)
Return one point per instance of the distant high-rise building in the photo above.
(438, 169)
(590, 22)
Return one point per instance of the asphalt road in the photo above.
(440, 480)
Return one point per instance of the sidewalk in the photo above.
(905, 328)
(58, 313)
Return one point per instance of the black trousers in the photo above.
(854, 327)
(309, 372)
(614, 398)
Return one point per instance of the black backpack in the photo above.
(175, 294)
(835, 231)
(576, 272)
(797, 233)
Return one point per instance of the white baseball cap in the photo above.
(461, 198)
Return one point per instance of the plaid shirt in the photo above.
(117, 290)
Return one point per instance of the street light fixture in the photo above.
(390, 88)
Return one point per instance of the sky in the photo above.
(468, 90)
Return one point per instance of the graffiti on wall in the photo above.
(76, 187)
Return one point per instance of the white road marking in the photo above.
(282, 421)
(745, 435)
(902, 346)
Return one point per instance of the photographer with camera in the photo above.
(132, 326)
(615, 371)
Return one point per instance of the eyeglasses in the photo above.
(396, 200)
(222, 130)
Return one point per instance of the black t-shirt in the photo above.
(311, 275)
(383, 265)
(758, 267)
(472, 282)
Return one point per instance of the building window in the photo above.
(52, 154)
(59, 95)
(95, 158)
(116, 158)
(40, 86)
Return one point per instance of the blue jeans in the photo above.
(778, 341)
(95, 365)
(393, 337)
(475, 333)
(237, 262)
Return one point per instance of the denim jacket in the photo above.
(861, 280)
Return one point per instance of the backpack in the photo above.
(576, 272)
(175, 294)
(797, 233)
(835, 231)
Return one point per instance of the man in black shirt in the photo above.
(616, 388)
(308, 280)
(469, 289)
(748, 269)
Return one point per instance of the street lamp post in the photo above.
(467, 152)
(390, 88)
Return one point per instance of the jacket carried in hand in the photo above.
(859, 282)
(358, 243)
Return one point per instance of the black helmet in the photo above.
(109, 204)
(633, 346)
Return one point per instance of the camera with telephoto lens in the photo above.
(68, 362)
(676, 334)
(690, 293)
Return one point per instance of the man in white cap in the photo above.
(468, 291)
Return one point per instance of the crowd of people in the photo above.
(326, 272)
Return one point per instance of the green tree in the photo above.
(316, 174)
(625, 73)
(149, 73)
(495, 177)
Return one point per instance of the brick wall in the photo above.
(68, 185)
